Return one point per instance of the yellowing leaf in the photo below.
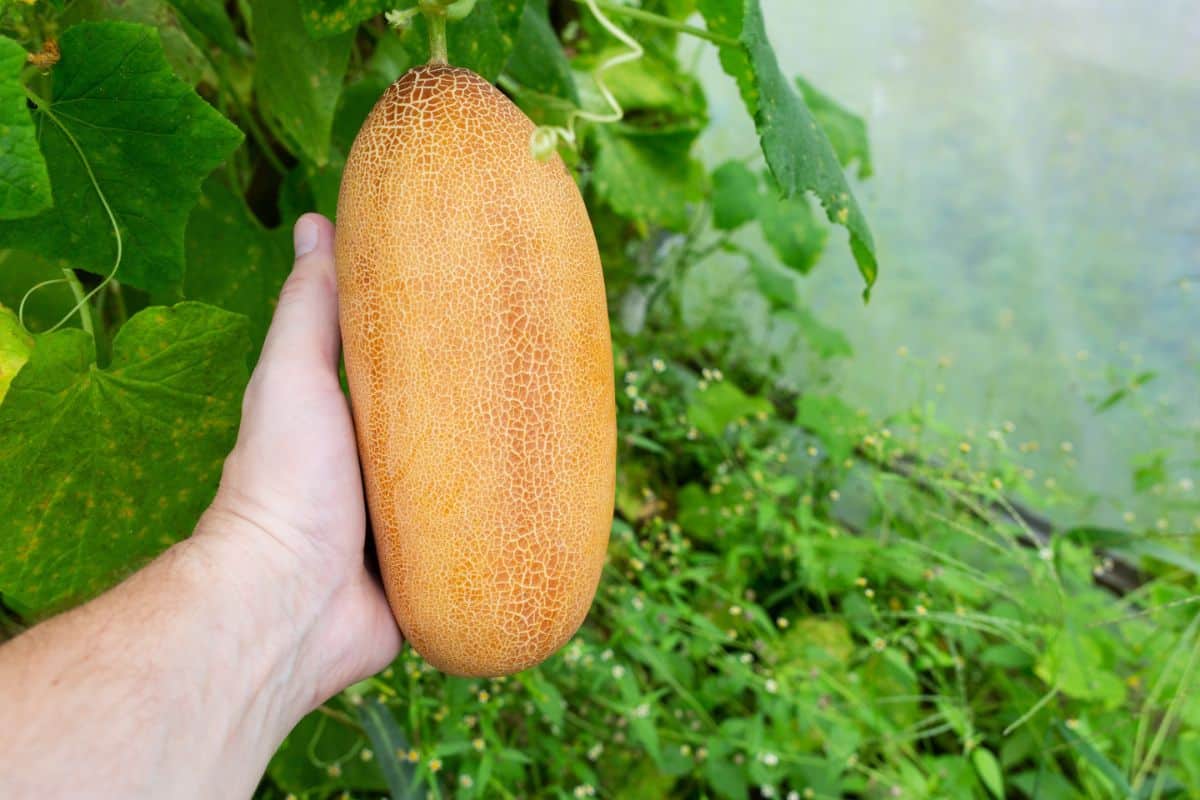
(102, 468)
(15, 345)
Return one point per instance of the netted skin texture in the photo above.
(480, 369)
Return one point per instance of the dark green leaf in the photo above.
(101, 469)
(19, 272)
(481, 41)
(735, 196)
(647, 176)
(793, 231)
(181, 52)
(148, 140)
(233, 262)
(329, 17)
(24, 183)
(388, 742)
(798, 153)
(298, 80)
(210, 20)
(846, 130)
(538, 61)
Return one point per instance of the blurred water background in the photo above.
(1036, 202)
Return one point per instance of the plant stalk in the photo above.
(437, 38)
(81, 301)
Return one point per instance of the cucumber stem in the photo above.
(437, 39)
(81, 300)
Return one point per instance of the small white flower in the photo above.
(770, 759)
(772, 686)
(640, 406)
(618, 672)
(658, 365)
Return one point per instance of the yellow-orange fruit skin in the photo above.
(479, 362)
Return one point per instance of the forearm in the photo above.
(181, 682)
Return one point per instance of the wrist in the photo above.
(286, 606)
(260, 617)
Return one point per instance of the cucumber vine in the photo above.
(69, 277)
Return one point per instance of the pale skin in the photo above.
(183, 680)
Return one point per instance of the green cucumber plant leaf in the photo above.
(24, 182)
(102, 468)
(648, 175)
(481, 41)
(847, 132)
(792, 230)
(223, 231)
(538, 61)
(797, 150)
(180, 49)
(21, 270)
(330, 17)
(736, 196)
(207, 22)
(299, 91)
(120, 132)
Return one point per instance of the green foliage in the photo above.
(481, 42)
(15, 344)
(221, 232)
(25, 189)
(796, 147)
(298, 87)
(120, 132)
(800, 600)
(102, 468)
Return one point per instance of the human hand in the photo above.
(228, 638)
(291, 495)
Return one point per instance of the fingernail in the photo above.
(305, 236)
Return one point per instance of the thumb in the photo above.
(305, 325)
